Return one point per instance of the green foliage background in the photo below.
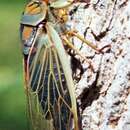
(12, 96)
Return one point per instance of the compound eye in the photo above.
(33, 8)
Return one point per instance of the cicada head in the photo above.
(35, 12)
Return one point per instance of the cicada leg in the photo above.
(74, 33)
(67, 42)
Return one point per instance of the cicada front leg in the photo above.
(74, 33)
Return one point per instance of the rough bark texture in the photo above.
(104, 92)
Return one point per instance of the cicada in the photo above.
(49, 85)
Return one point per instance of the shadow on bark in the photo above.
(90, 94)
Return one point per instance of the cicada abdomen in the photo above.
(49, 85)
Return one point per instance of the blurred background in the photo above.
(12, 96)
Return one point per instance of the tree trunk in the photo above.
(103, 93)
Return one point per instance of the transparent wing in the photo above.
(49, 102)
(30, 45)
(48, 84)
